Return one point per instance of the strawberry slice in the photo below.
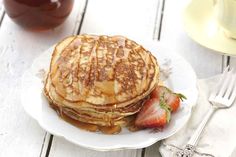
(161, 91)
(154, 114)
(170, 98)
(174, 101)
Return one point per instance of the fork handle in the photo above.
(196, 135)
(190, 148)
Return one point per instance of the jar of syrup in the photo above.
(38, 14)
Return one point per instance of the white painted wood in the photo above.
(63, 148)
(45, 145)
(158, 20)
(225, 62)
(205, 62)
(1, 11)
(153, 151)
(18, 132)
(233, 62)
(132, 18)
(20, 135)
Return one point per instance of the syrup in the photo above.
(38, 14)
(95, 128)
(81, 125)
(91, 127)
(110, 129)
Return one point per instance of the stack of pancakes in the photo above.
(100, 80)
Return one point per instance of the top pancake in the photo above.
(102, 70)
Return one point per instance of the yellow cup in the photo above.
(226, 16)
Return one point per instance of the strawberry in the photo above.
(174, 101)
(161, 91)
(171, 99)
(154, 114)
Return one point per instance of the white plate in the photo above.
(182, 79)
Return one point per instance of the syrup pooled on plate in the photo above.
(86, 126)
(38, 15)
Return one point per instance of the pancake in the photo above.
(100, 80)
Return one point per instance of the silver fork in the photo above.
(222, 98)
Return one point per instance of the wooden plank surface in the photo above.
(233, 62)
(204, 61)
(136, 19)
(1, 12)
(20, 135)
(133, 18)
(63, 148)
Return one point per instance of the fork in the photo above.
(222, 98)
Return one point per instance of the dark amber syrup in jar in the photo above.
(38, 14)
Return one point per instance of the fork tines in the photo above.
(226, 88)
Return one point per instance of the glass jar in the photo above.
(38, 14)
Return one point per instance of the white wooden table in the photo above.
(159, 20)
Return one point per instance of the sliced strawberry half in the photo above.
(161, 92)
(170, 98)
(174, 101)
(154, 114)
